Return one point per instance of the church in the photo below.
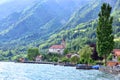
(59, 49)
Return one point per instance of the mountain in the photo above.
(42, 18)
(81, 27)
(88, 12)
(11, 6)
(46, 22)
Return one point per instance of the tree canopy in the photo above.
(75, 58)
(85, 54)
(104, 31)
(32, 53)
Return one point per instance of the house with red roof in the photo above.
(58, 48)
(116, 54)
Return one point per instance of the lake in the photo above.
(19, 71)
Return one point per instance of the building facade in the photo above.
(59, 49)
(116, 54)
(38, 58)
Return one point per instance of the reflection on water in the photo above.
(17, 71)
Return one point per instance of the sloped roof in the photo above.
(112, 63)
(68, 55)
(57, 47)
(116, 52)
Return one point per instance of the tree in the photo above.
(110, 57)
(104, 31)
(32, 53)
(64, 59)
(118, 59)
(55, 59)
(66, 51)
(85, 54)
(75, 58)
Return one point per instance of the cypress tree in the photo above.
(105, 38)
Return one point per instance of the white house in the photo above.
(38, 58)
(58, 48)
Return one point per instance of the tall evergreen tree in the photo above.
(105, 38)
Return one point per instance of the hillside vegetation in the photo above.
(48, 22)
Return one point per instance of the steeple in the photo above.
(63, 43)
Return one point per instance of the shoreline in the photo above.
(52, 63)
(77, 66)
(110, 70)
(104, 69)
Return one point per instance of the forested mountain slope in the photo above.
(48, 21)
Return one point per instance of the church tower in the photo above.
(63, 43)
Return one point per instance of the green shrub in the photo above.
(109, 57)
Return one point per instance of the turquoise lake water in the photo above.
(18, 71)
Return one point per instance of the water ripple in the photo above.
(16, 71)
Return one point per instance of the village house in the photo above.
(68, 55)
(59, 49)
(116, 54)
(21, 59)
(38, 58)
